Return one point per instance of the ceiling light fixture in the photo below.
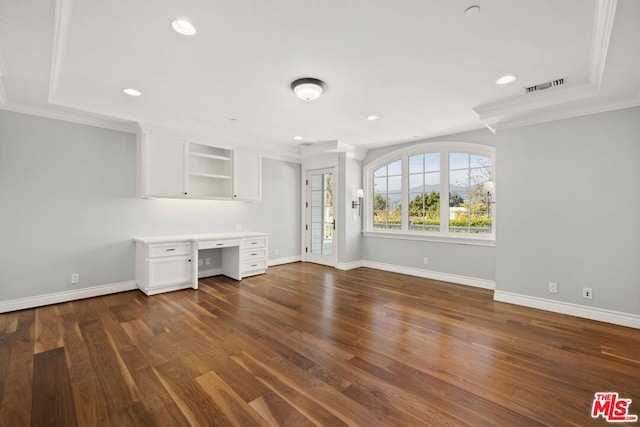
(183, 27)
(472, 10)
(372, 117)
(132, 92)
(509, 78)
(308, 88)
(298, 138)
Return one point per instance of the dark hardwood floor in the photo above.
(309, 345)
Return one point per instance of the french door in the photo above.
(321, 237)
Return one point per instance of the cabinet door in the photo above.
(165, 165)
(247, 176)
(168, 271)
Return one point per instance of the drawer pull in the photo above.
(169, 250)
(219, 244)
(254, 254)
(254, 265)
(254, 243)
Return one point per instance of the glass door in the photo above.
(321, 220)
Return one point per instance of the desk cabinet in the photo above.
(163, 267)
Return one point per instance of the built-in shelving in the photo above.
(210, 175)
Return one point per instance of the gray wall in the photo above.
(350, 179)
(568, 201)
(68, 205)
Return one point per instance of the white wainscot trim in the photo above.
(434, 275)
(285, 260)
(65, 296)
(593, 313)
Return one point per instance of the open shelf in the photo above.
(210, 175)
(211, 156)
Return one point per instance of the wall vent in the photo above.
(544, 86)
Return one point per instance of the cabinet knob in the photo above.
(189, 260)
(185, 193)
(235, 195)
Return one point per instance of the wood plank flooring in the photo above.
(309, 345)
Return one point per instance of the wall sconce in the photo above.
(358, 204)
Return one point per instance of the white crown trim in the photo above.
(61, 26)
(508, 113)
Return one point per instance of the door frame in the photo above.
(310, 165)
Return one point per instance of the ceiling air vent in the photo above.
(544, 86)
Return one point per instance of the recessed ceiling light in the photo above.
(132, 92)
(183, 27)
(509, 78)
(298, 138)
(372, 117)
(472, 10)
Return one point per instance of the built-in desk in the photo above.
(169, 263)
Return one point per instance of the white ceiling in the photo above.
(422, 66)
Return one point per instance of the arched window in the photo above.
(441, 190)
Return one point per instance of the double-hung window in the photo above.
(433, 191)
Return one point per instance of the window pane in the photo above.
(380, 185)
(479, 161)
(381, 171)
(458, 161)
(432, 162)
(394, 168)
(416, 182)
(416, 164)
(395, 183)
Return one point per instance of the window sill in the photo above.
(408, 235)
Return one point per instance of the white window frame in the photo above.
(403, 154)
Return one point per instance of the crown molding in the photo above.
(602, 26)
(72, 117)
(60, 31)
(577, 111)
(509, 113)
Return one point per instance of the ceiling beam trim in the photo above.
(61, 27)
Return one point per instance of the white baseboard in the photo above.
(209, 272)
(286, 260)
(429, 274)
(593, 313)
(350, 265)
(65, 296)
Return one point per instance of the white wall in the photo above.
(350, 221)
(68, 205)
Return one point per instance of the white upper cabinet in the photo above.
(177, 168)
(247, 176)
(163, 168)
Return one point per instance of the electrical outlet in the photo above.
(75, 278)
(426, 261)
(587, 293)
(553, 287)
(200, 262)
(207, 261)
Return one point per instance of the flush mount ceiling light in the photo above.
(308, 88)
(372, 117)
(298, 138)
(472, 11)
(132, 92)
(183, 27)
(509, 78)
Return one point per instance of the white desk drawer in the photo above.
(258, 242)
(212, 244)
(169, 249)
(255, 254)
(250, 266)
